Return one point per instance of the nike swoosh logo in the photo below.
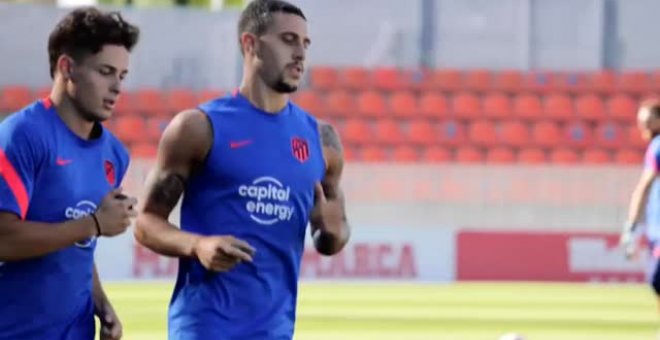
(62, 162)
(239, 144)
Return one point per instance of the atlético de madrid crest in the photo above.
(110, 174)
(300, 149)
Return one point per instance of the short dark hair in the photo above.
(258, 15)
(85, 31)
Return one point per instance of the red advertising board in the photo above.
(525, 256)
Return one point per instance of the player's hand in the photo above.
(221, 253)
(627, 242)
(115, 213)
(328, 212)
(111, 328)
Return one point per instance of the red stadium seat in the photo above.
(357, 131)
(634, 82)
(324, 78)
(478, 80)
(590, 107)
(546, 134)
(14, 98)
(629, 156)
(622, 107)
(483, 133)
(130, 129)
(509, 81)
(311, 102)
(596, 156)
(144, 150)
(452, 132)
(609, 135)
(558, 106)
(466, 105)
(387, 79)
(500, 155)
(209, 94)
(527, 106)
(531, 156)
(373, 153)
(447, 80)
(469, 154)
(388, 132)
(355, 78)
(150, 102)
(434, 105)
(578, 134)
(515, 133)
(497, 105)
(372, 104)
(564, 156)
(405, 153)
(422, 132)
(341, 104)
(178, 100)
(404, 104)
(634, 138)
(603, 81)
(436, 154)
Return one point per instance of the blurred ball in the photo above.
(512, 336)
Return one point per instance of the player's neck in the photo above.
(262, 96)
(70, 115)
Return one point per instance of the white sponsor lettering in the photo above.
(81, 210)
(268, 200)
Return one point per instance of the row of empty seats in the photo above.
(388, 79)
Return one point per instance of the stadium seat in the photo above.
(357, 131)
(634, 137)
(403, 104)
(508, 81)
(41, 93)
(477, 80)
(178, 100)
(150, 102)
(405, 154)
(602, 81)
(435, 154)
(355, 78)
(483, 133)
(515, 133)
(154, 127)
(206, 95)
(130, 129)
(596, 156)
(466, 105)
(387, 79)
(609, 135)
(388, 132)
(446, 80)
(629, 156)
(434, 105)
(590, 107)
(546, 134)
(563, 156)
(500, 155)
(578, 134)
(350, 155)
(527, 106)
(324, 78)
(373, 153)
(634, 82)
(531, 156)
(558, 106)
(311, 102)
(144, 150)
(422, 132)
(622, 107)
(497, 106)
(14, 98)
(341, 104)
(469, 154)
(372, 104)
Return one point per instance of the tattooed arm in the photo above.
(183, 146)
(329, 225)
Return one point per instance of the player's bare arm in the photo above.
(183, 148)
(637, 204)
(330, 229)
(111, 327)
(21, 239)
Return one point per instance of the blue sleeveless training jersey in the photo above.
(49, 174)
(652, 162)
(257, 184)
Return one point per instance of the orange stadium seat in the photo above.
(14, 98)
(372, 104)
(434, 105)
(178, 100)
(404, 104)
(609, 135)
(130, 129)
(387, 79)
(483, 133)
(546, 134)
(388, 132)
(373, 153)
(499, 155)
(125, 105)
(629, 156)
(564, 156)
(596, 156)
(150, 102)
(527, 106)
(422, 132)
(405, 153)
(350, 154)
(154, 127)
(436, 154)
(310, 101)
(602, 81)
(515, 133)
(497, 105)
(508, 80)
(466, 105)
(655, 80)
(144, 150)
(478, 80)
(357, 131)
(341, 103)
(447, 80)
(355, 78)
(578, 134)
(634, 82)
(531, 156)
(622, 107)
(558, 106)
(590, 107)
(452, 132)
(324, 78)
(41, 93)
(469, 154)
(634, 138)
(209, 94)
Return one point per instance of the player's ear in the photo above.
(248, 41)
(65, 66)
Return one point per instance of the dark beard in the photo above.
(281, 87)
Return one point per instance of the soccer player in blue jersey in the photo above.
(254, 169)
(60, 172)
(645, 200)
